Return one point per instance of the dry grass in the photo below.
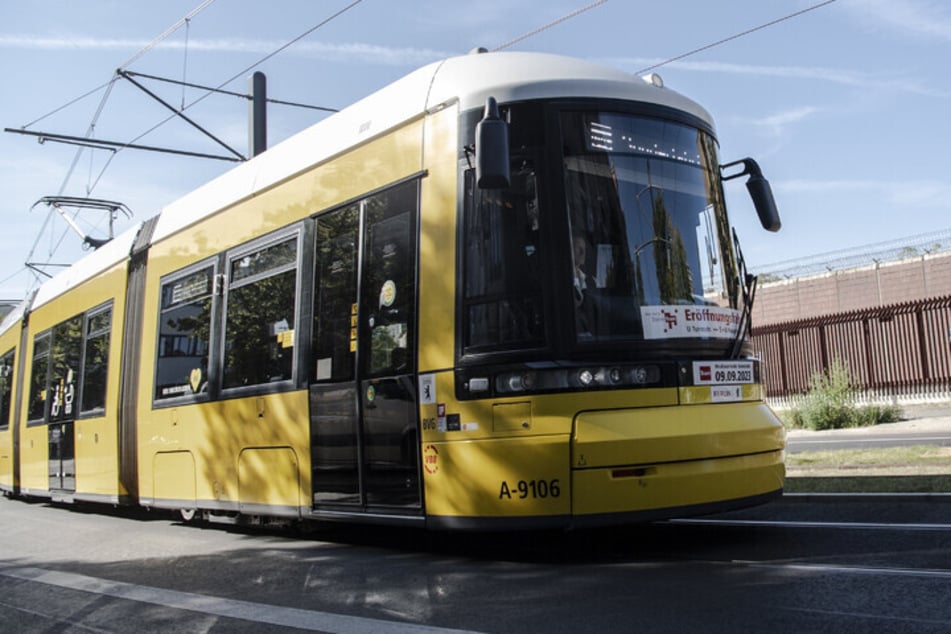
(920, 468)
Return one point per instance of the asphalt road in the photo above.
(785, 567)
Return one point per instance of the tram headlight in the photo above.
(515, 382)
(528, 381)
(639, 375)
(585, 378)
(558, 379)
(644, 375)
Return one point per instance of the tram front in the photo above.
(601, 297)
(655, 274)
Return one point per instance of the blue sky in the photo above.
(845, 107)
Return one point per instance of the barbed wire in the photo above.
(877, 253)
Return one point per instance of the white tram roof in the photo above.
(14, 316)
(103, 258)
(467, 80)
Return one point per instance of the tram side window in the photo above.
(65, 355)
(388, 282)
(261, 313)
(70, 362)
(335, 317)
(502, 270)
(184, 334)
(95, 361)
(6, 387)
(38, 376)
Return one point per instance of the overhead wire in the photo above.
(249, 68)
(92, 127)
(185, 21)
(549, 25)
(218, 89)
(11, 276)
(288, 44)
(168, 32)
(734, 37)
(210, 91)
(185, 61)
(67, 104)
(54, 245)
(145, 49)
(230, 93)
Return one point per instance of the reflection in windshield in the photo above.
(502, 290)
(646, 224)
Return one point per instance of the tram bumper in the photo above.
(641, 464)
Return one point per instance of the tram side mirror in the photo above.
(760, 192)
(492, 149)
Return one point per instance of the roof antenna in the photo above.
(257, 114)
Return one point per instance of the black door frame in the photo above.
(365, 427)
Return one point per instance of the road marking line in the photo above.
(864, 615)
(228, 608)
(855, 570)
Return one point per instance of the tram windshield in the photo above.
(649, 239)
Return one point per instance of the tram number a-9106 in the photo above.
(526, 489)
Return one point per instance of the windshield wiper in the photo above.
(748, 287)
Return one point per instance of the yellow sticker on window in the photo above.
(286, 339)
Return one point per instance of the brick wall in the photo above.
(854, 289)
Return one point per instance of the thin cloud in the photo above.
(777, 122)
(911, 17)
(348, 52)
(359, 52)
(32, 42)
(775, 125)
(843, 77)
(898, 194)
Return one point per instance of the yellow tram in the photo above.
(499, 293)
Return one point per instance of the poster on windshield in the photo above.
(679, 322)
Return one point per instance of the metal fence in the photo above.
(893, 353)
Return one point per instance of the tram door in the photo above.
(62, 457)
(64, 359)
(364, 423)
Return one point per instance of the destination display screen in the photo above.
(623, 134)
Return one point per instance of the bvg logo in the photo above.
(430, 459)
